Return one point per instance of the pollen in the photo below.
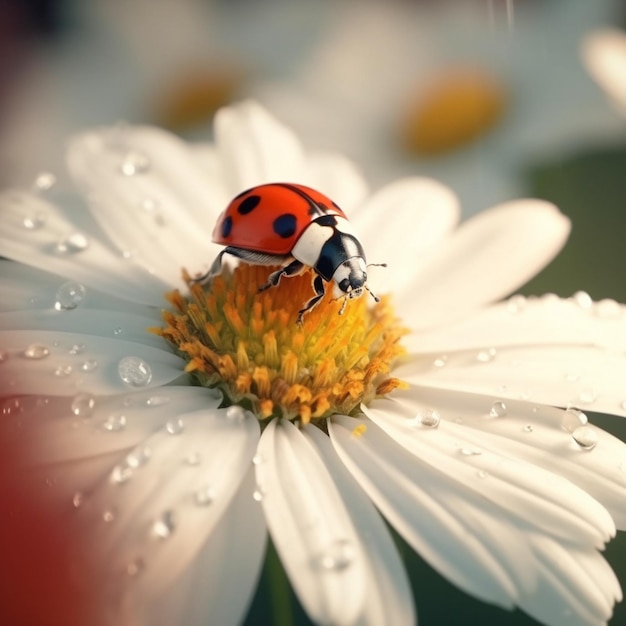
(247, 344)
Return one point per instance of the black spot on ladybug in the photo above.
(248, 205)
(227, 226)
(285, 225)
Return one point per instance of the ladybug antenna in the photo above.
(344, 297)
(376, 298)
(376, 265)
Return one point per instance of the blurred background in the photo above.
(491, 97)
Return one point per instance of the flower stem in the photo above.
(280, 591)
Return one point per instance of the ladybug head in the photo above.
(350, 278)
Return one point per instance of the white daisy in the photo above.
(604, 55)
(467, 443)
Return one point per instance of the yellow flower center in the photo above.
(460, 106)
(248, 345)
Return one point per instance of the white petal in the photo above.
(393, 479)
(402, 224)
(161, 213)
(167, 495)
(540, 435)
(531, 321)
(338, 178)
(485, 259)
(255, 148)
(604, 54)
(310, 527)
(86, 258)
(61, 367)
(527, 579)
(218, 586)
(389, 599)
(27, 288)
(584, 376)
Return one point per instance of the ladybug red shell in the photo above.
(271, 218)
(295, 227)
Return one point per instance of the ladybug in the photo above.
(295, 227)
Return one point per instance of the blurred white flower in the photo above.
(480, 460)
(604, 55)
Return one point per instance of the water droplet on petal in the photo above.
(498, 409)
(121, 473)
(572, 377)
(586, 437)
(77, 500)
(134, 163)
(63, 371)
(90, 365)
(587, 396)
(36, 352)
(164, 526)
(427, 418)
(157, 400)
(174, 426)
(482, 474)
(83, 404)
(35, 221)
(441, 361)
(139, 456)
(583, 299)
(135, 567)
(117, 331)
(486, 356)
(77, 348)
(108, 516)
(528, 428)
(572, 418)
(69, 296)
(608, 308)
(466, 451)
(45, 181)
(204, 496)
(72, 244)
(258, 494)
(235, 413)
(516, 303)
(258, 459)
(338, 556)
(114, 422)
(134, 371)
(193, 459)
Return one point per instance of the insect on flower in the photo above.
(295, 227)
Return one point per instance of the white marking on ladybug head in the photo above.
(350, 278)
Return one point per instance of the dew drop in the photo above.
(235, 413)
(427, 418)
(193, 459)
(204, 496)
(135, 567)
(90, 365)
(62, 371)
(482, 474)
(528, 428)
(114, 422)
(441, 361)
(151, 207)
(35, 221)
(258, 459)
(258, 494)
(45, 181)
(498, 409)
(77, 348)
(12, 406)
(572, 377)
(516, 303)
(138, 457)
(174, 426)
(77, 500)
(83, 404)
(338, 556)
(108, 516)
(69, 296)
(36, 352)
(586, 437)
(121, 474)
(134, 163)
(134, 371)
(164, 526)
(466, 451)
(583, 300)
(486, 356)
(117, 331)
(572, 419)
(157, 400)
(72, 244)
(587, 396)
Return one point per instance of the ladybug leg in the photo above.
(291, 269)
(216, 268)
(318, 286)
